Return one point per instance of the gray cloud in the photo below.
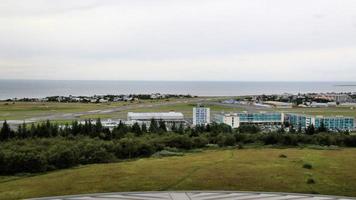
(180, 40)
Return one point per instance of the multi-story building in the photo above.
(334, 123)
(261, 118)
(169, 118)
(231, 119)
(201, 116)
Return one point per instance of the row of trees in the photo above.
(96, 130)
(44, 154)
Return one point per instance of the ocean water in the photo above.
(43, 88)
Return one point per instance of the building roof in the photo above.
(155, 115)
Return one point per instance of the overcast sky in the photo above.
(240, 40)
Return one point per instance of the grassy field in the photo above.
(24, 110)
(185, 108)
(247, 169)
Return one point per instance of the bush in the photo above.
(63, 157)
(310, 181)
(307, 166)
(165, 153)
(178, 141)
(225, 139)
(199, 142)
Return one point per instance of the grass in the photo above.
(185, 108)
(248, 169)
(24, 110)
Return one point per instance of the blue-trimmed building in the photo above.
(261, 118)
(337, 123)
(201, 115)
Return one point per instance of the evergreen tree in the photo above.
(174, 127)
(5, 132)
(76, 128)
(98, 126)
(162, 126)
(153, 126)
(322, 128)
(310, 130)
(136, 129)
(120, 131)
(22, 131)
(144, 128)
(33, 132)
(181, 129)
(291, 129)
(281, 130)
(47, 128)
(300, 129)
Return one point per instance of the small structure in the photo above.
(278, 104)
(319, 105)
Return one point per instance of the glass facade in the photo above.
(201, 116)
(331, 123)
(260, 117)
(335, 123)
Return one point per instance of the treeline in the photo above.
(88, 128)
(95, 129)
(45, 154)
(46, 146)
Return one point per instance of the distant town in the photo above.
(101, 98)
(268, 119)
(300, 100)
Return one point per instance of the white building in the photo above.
(168, 117)
(201, 116)
(278, 104)
(231, 119)
(261, 118)
(318, 105)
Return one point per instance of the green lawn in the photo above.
(247, 169)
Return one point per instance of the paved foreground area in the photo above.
(197, 196)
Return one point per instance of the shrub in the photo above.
(307, 166)
(282, 156)
(310, 181)
(165, 153)
(199, 142)
(178, 141)
(225, 139)
(63, 157)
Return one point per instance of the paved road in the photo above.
(197, 196)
